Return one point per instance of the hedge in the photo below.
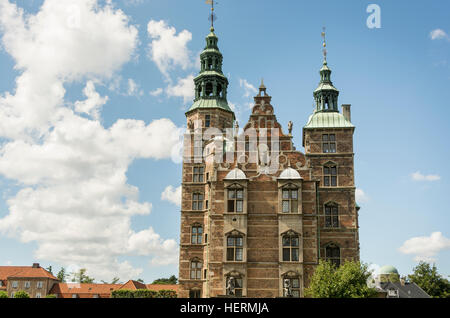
(143, 293)
(3, 294)
(21, 294)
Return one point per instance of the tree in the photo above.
(49, 269)
(21, 294)
(81, 277)
(114, 281)
(428, 278)
(172, 280)
(3, 294)
(62, 275)
(347, 281)
(140, 280)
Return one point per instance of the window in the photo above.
(39, 285)
(235, 200)
(290, 247)
(74, 296)
(330, 176)
(329, 143)
(194, 293)
(333, 255)
(196, 269)
(197, 234)
(207, 120)
(197, 201)
(38, 295)
(235, 248)
(290, 200)
(96, 296)
(15, 284)
(12, 295)
(27, 284)
(198, 148)
(331, 216)
(199, 173)
(392, 293)
(291, 287)
(234, 286)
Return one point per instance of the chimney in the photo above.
(346, 112)
(36, 265)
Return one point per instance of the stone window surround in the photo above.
(333, 204)
(202, 201)
(235, 184)
(300, 247)
(291, 274)
(200, 270)
(192, 234)
(335, 245)
(198, 166)
(244, 246)
(235, 274)
(330, 164)
(292, 184)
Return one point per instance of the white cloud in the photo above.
(417, 176)
(425, 248)
(249, 89)
(361, 196)
(157, 92)
(168, 49)
(94, 102)
(439, 34)
(172, 195)
(133, 88)
(184, 88)
(75, 203)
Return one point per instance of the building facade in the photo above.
(257, 215)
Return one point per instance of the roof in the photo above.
(158, 287)
(406, 290)
(388, 269)
(328, 120)
(290, 174)
(84, 289)
(236, 174)
(325, 86)
(211, 103)
(133, 285)
(24, 272)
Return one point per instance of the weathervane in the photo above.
(213, 16)
(324, 45)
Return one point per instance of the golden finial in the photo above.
(324, 45)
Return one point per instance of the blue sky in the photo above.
(396, 78)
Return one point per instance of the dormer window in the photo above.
(235, 248)
(290, 200)
(236, 200)
(290, 247)
(329, 143)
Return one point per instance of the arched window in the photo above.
(330, 176)
(235, 200)
(195, 293)
(290, 199)
(291, 285)
(235, 248)
(331, 215)
(333, 254)
(209, 64)
(197, 234)
(196, 269)
(290, 247)
(208, 89)
(219, 90)
(234, 284)
(197, 201)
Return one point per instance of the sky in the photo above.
(92, 101)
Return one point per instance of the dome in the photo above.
(290, 174)
(236, 174)
(388, 269)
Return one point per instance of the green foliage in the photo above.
(143, 293)
(347, 281)
(428, 278)
(81, 277)
(3, 294)
(51, 296)
(114, 281)
(140, 280)
(21, 294)
(172, 280)
(62, 275)
(50, 269)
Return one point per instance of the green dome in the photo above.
(388, 269)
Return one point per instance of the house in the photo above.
(34, 280)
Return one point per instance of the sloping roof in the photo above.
(133, 285)
(83, 289)
(24, 272)
(408, 290)
(328, 120)
(158, 287)
(211, 103)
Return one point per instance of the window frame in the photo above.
(235, 200)
(197, 237)
(332, 258)
(290, 247)
(330, 175)
(293, 289)
(289, 199)
(331, 212)
(197, 201)
(195, 272)
(329, 143)
(234, 249)
(198, 174)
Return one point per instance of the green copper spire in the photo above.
(326, 95)
(211, 85)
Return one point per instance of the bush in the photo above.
(167, 294)
(143, 293)
(122, 293)
(21, 294)
(3, 294)
(51, 296)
